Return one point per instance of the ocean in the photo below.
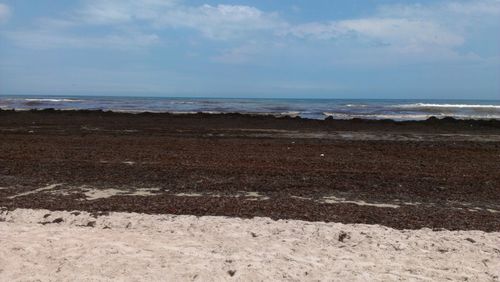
(395, 109)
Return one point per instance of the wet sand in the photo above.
(405, 175)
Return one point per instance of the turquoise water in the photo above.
(307, 108)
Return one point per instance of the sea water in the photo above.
(395, 109)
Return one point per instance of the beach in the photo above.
(405, 193)
(176, 140)
(135, 247)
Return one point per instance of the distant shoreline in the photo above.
(318, 109)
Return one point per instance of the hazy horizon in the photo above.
(300, 49)
(241, 98)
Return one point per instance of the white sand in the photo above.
(36, 191)
(95, 193)
(336, 200)
(145, 247)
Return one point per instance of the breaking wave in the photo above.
(460, 106)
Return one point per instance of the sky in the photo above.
(447, 49)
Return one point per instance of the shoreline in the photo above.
(285, 115)
(446, 123)
(396, 109)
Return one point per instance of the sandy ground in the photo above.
(61, 246)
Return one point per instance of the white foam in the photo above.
(426, 105)
(356, 105)
(51, 100)
(290, 114)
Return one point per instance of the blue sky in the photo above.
(254, 48)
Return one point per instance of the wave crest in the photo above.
(460, 106)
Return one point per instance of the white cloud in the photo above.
(216, 22)
(456, 15)
(4, 12)
(409, 31)
(450, 8)
(221, 21)
(438, 28)
(403, 34)
(130, 24)
(408, 28)
(316, 30)
(45, 39)
(60, 32)
(485, 7)
(121, 11)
